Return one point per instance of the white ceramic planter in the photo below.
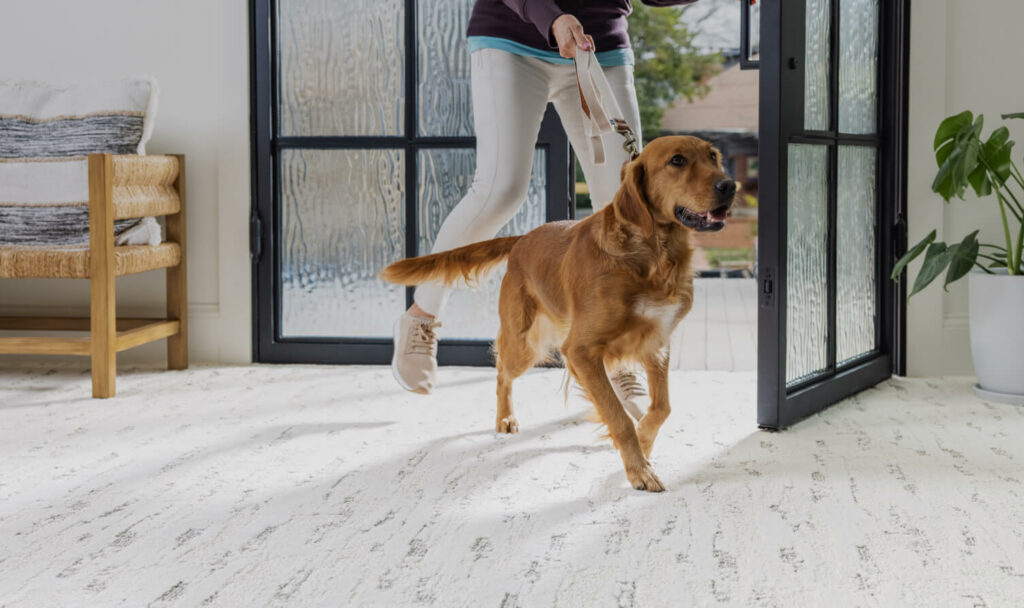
(997, 335)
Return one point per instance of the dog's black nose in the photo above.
(725, 187)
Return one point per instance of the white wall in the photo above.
(963, 57)
(198, 51)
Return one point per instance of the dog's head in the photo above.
(676, 179)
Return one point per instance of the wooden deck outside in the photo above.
(720, 333)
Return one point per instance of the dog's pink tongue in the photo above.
(716, 217)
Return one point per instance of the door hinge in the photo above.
(255, 237)
(767, 290)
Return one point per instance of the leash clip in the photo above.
(598, 102)
(629, 145)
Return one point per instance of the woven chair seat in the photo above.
(20, 262)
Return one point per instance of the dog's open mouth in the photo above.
(712, 221)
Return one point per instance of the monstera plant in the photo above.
(966, 160)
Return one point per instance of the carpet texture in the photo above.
(327, 486)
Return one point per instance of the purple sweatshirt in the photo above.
(529, 21)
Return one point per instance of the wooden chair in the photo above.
(120, 187)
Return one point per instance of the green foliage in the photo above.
(583, 201)
(910, 255)
(986, 166)
(667, 64)
(719, 257)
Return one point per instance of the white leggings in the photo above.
(510, 94)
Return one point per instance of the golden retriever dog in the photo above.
(607, 290)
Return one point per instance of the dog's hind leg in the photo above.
(586, 364)
(514, 352)
(657, 381)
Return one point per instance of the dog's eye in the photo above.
(714, 157)
(678, 160)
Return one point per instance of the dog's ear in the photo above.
(631, 203)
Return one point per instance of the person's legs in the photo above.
(602, 180)
(510, 94)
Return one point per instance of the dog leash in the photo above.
(599, 106)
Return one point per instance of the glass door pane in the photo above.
(807, 262)
(817, 73)
(342, 222)
(444, 105)
(341, 67)
(750, 34)
(857, 288)
(858, 66)
(444, 177)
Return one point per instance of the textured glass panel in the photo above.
(341, 67)
(342, 221)
(444, 177)
(858, 65)
(445, 107)
(856, 289)
(816, 70)
(806, 261)
(755, 32)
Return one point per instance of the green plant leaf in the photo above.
(952, 126)
(912, 253)
(943, 183)
(971, 144)
(957, 149)
(980, 182)
(935, 261)
(996, 153)
(1013, 115)
(962, 257)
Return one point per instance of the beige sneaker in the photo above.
(629, 391)
(414, 363)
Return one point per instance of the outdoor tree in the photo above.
(668, 66)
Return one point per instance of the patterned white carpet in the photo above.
(327, 486)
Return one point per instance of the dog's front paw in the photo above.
(507, 425)
(644, 478)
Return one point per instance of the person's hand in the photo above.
(568, 32)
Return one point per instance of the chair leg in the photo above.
(177, 308)
(102, 338)
(102, 300)
(177, 283)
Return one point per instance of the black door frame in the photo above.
(782, 123)
(268, 345)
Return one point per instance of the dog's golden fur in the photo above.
(607, 290)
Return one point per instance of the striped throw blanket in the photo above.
(46, 133)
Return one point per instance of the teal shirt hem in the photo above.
(605, 58)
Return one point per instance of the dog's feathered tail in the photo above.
(468, 263)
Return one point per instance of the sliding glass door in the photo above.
(363, 142)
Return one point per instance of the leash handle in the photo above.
(599, 106)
